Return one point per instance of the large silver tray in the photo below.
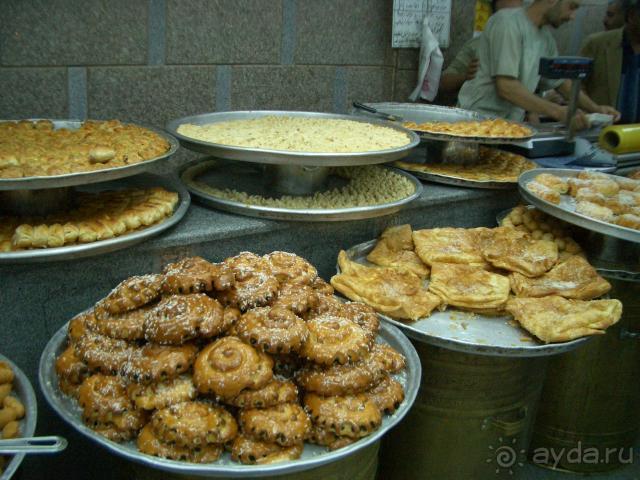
(23, 390)
(82, 178)
(247, 177)
(566, 210)
(104, 246)
(470, 332)
(459, 182)
(284, 157)
(421, 113)
(312, 456)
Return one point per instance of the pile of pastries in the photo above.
(299, 134)
(493, 165)
(97, 216)
(12, 409)
(37, 149)
(473, 128)
(253, 354)
(608, 198)
(489, 271)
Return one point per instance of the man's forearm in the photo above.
(451, 82)
(515, 92)
(584, 101)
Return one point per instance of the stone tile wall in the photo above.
(153, 60)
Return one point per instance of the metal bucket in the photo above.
(362, 465)
(472, 418)
(588, 417)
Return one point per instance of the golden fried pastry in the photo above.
(160, 395)
(128, 325)
(556, 319)
(387, 358)
(131, 293)
(544, 192)
(228, 366)
(449, 245)
(103, 354)
(273, 393)
(195, 274)
(387, 395)
(296, 297)
(390, 291)
(352, 416)
(604, 185)
(71, 371)
(290, 268)
(589, 195)
(77, 328)
(473, 128)
(322, 287)
(193, 424)
(573, 278)
(592, 210)
(468, 286)
(180, 318)
(553, 182)
(623, 202)
(255, 283)
(154, 363)
(630, 184)
(273, 329)
(335, 339)
(364, 315)
(322, 436)
(38, 149)
(249, 451)
(395, 249)
(510, 250)
(286, 424)
(285, 365)
(629, 220)
(150, 444)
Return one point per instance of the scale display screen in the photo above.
(565, 67)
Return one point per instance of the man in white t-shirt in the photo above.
(509, 53)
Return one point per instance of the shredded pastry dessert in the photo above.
(473, 128)
(493, 165)
(298, 134)
(38, 149)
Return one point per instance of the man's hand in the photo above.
(472, 69)
(607, 110)
(579, 120)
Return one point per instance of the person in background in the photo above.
(509, 52)
(465, 65)
(615, 79)
(613, 17)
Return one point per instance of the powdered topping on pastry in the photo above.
(286, 424)
(273, 329)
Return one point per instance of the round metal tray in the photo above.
(259, 155)
(75, 251)
(247, 177)
(82, 178)
(471, 332)
(566, 210)
(459, 182)
(23, 390)
(421, 113)
(312, 456)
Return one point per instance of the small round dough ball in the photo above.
(537, 234)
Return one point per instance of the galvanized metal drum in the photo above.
(588, 417)
(472, 418)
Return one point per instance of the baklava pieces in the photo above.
(607, 198)
(252, 355)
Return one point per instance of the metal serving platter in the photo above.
(23, 390)
(75, 251)
(566, 210)
(457, 181)
(285, 157)
(468, 332)
(249, 178)
(83, 178)
(313, 455)
(421, 113)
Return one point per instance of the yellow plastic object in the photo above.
(621, 138)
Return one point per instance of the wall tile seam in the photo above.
(138, 65)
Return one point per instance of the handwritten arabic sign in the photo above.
(407, 21)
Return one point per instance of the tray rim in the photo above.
(413, 376)
(588, 223)
(542, 350)
(76, 251)
(28, 397)
(271, 156)
(458, 181)
(94, 176)
(289, 214)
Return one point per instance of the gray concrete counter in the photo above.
(35, 300)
